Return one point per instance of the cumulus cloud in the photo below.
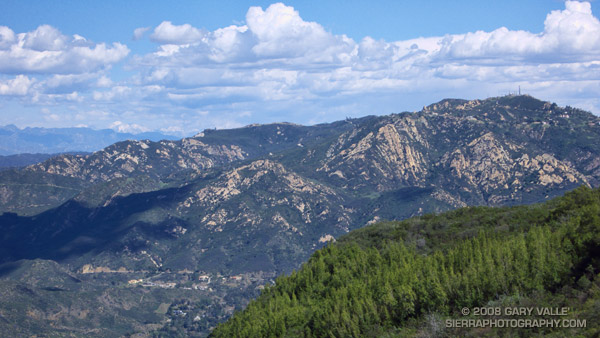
(281, 32)
(7, 37)
(44, 38)
(168, 33)
(278, 40)
(574, 29)
(47, 51)
(44, 67)
(18, 86)
(570, 35)
(275, 35)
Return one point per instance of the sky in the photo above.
(181, 67)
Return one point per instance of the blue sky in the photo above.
(184, 66)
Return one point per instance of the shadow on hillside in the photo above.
(8, 268)
(73, 230)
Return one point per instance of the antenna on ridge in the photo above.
(519, 90)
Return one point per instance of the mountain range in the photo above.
(238, 207)
(36, 140)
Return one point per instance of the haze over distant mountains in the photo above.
(14, 140)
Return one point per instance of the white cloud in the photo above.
(281, 32)
(119, 94)
(272, 36)
(74, 96)
(7, 37)
(116, 92)
(230, 44)
(44, 38)
(104, 82)
(19, 86)
(60, 83)
(570, 35)
(138, 33)
(174, 130)
(79, 39)
(46, 50)
(123, 127)
(167, 33)
(278, 41)
(575, 28)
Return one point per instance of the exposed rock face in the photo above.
(151, 158)
(391, 153)
(270, 186)
(482, 163)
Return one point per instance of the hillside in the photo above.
(406, 279)
(219, 214)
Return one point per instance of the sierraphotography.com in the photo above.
(543, 318)
(516, 323)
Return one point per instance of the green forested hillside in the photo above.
(407, 278)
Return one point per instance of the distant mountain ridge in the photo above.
(22, 160)
(14, 140)
(260, 199)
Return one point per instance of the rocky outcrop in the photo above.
(156, 159)
(388, 154)
(270, 185)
